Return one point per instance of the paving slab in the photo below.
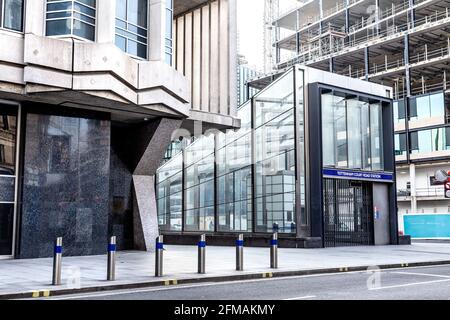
(22, 278)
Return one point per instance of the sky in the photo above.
(250, 16)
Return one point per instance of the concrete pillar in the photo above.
(412, 174)
(35, 17)
(106, 21)
(157, 30)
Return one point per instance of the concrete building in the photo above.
(91, 92)
(313, 157)
(404, 44)
(245, 73)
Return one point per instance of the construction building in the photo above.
(401, 44)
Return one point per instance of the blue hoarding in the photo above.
(427, 225)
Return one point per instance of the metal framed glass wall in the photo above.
(274, 132)
(244, 180)
(11, 14)
(352, 132)
(234, 176)
(8, 176)
(75, 17)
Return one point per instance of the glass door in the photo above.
(8, 138)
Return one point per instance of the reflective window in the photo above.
(132, 27)
(76, 17)
(11, 14)
(399, 111)
(400, 144)
(426, 106)
(426, 141)
(169, 26)
(169, 194)
(275, 157)
(352, 132)
(8, 136)
(199, 185)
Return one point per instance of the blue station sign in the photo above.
(358, 175)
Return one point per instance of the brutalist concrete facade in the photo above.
(90, 99)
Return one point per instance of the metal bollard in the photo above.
(57, 260)
(159, 256)
(201, 253)
(274, 251)
(240, 253)
(275, 227)
(111, 271)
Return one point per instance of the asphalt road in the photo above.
(394, 284)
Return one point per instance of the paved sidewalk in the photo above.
(136, 269)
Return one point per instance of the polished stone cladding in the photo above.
(65, 185)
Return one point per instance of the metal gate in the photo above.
(348, 215)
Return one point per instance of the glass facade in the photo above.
(8, 138)
(399, 111)
(132, 27)
(352, 132)
(238, 181)
(425, 141)
(427, 106)
(275, 156)
(76, 17)
(11, 14)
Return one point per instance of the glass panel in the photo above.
(376, 136)
(340, 120)
(80, 18)
(6, 228)
(328, 130)
(437, 105)
(354, 133)
(13, 15)
(423, 107)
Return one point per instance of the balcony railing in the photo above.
(305, 56)
(437, 192)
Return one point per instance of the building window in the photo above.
(400, 144)
(425, 141)
(427, 106)
(132, 27)
(169, 36)
(352, 132)
(11, 14)
(399, 111)
(74, 18)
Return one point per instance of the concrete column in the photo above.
(35, 17)
(106, 21)
(157, 30)
(412, 173)
(412, 17)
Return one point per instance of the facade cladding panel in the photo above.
(278, 173)
(65, 185)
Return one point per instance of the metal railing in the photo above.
(305, 56)
(437, 192)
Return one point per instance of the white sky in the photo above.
(250, 16)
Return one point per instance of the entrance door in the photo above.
(348, 217)
(8, 138)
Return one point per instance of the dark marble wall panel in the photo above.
(65, 185)
(121, 197)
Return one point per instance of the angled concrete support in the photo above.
(142, 148)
